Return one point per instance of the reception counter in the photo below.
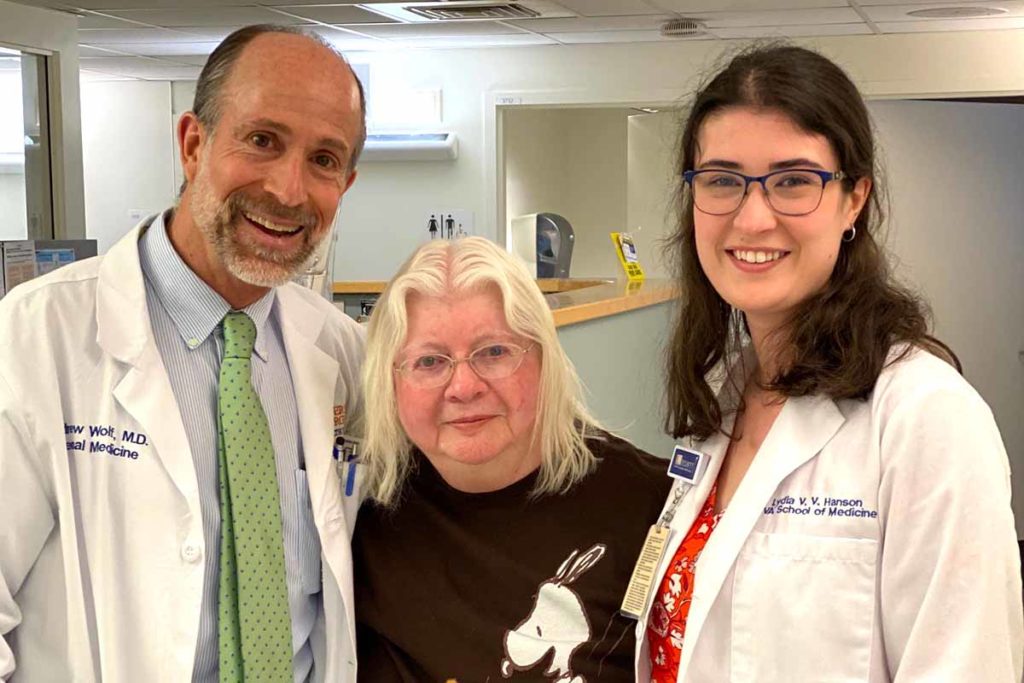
(572, 301)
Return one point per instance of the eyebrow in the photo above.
(800, 162)
(476, 344)
(277, 126)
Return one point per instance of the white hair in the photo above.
(442, 268)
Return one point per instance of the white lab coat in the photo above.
(927, 590)
(101, 569)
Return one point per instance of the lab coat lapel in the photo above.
(315, 375)
(801, 430)
(124, 332)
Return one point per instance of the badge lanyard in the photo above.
(346, 457)
(687, 466)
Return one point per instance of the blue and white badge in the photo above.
(687, 465)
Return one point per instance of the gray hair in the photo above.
(441, 268)
(207, 104)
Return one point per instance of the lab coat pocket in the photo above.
(309, 539)
(803, 609)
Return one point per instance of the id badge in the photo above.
(645, 572)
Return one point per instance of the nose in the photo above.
(755, 213)
(464, 385)
(286, 180)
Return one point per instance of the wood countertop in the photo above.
(572, 301)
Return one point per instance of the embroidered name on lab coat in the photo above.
(819, 506)
(104, 440)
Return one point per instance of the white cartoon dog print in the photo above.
(556, 623)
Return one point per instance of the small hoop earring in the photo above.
(849, 233)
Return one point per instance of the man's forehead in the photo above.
(287, 57)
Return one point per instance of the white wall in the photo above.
(37, 30)
(14, 224)
(128, 144)
(954, 174)
(650, 179)
(553, 164)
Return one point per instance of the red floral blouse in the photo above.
(671, 605)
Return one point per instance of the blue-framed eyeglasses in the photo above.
(790, 192)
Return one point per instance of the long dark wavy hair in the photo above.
(838, 340)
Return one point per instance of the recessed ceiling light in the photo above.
(957, 12)
(646, 110)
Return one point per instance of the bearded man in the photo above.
(173, 507)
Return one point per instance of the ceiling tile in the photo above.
(141, 67)
(337, 14)
(899, 12)
(350, 42)
(803, 31)
(88, 51)
(634, 23)
(942, 25)
(98, 21)
(616, 37)
(206, 16)
(103, 36)
(836, 15)
(86, 76)
(872, 3)
(176, 50)
(514, 40)
(609, 8)
(442, 29)
(688, 7)
(105, 5)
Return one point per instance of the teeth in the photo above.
(270, 225)
(749, 256)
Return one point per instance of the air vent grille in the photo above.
(682, 28)
(495, 11)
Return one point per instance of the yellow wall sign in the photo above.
(625, 249)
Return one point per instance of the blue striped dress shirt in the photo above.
(186, 316)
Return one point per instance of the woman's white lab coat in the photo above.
(101, 570)
(868, 541)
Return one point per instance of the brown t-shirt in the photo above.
(496, 586)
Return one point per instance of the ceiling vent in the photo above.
(468, 10)
(447, 12)
(682, 28)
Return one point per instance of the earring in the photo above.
(849, 233)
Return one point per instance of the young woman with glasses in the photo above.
(854, 520)
(503, 523)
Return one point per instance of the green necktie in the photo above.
(254, 619)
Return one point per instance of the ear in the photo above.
(857, 198)
(191, 138)
(351, 179)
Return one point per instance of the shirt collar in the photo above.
(194, 307)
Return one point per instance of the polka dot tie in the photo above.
(254, 624)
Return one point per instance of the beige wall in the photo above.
(570, 162)
(128, 155)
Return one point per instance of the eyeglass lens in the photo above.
(793, 193)
(493, 361)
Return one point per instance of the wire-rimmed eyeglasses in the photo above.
(491, 361)
(790, 192)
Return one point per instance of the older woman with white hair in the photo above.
(503, 523)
